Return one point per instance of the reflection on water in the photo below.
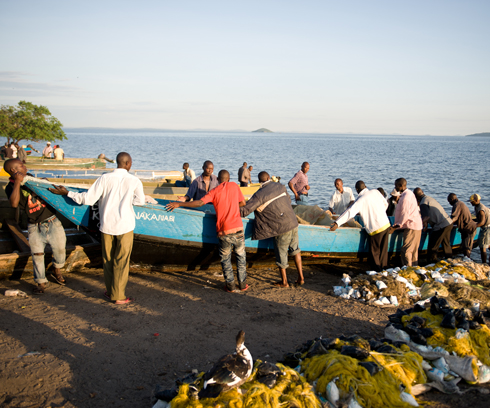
(439, 165)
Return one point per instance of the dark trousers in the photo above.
(378, 250)
(436, 238)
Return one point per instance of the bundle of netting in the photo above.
(355, 371)
(280, 386)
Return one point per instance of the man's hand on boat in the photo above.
(393, 228)
(60, 190)
(172, 206)
(333, 227)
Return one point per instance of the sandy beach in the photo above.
(72, 348)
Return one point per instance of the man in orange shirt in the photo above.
(227, 199)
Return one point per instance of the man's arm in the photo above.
(139, 195)
(290, 184)
(455, 214)
(331, 203)
(481, 217)
(241, 203)
(250, 206)
(15, 196)
(88, 198)
(346, 216)
(191, 204)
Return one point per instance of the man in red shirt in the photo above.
(227, 199)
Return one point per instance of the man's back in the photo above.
(464, 220)
(438, 218)
(116, 193)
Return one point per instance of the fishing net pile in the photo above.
(427, 346)
(460, 280)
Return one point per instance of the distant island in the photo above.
(486, 134)
(262, 130)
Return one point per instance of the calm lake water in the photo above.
(439, 165)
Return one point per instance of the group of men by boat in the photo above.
(275, 218)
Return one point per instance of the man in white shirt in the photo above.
(371, 206)
(116, 193)
(59, 154)
(341, 199)
(189, 174)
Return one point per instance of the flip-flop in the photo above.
(124, 302)
(280, 285)
(59, 279)
(106, 295)
(38, 291)
(245, 288)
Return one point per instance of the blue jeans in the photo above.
(49, 232)
(235, 242)
(303, 199)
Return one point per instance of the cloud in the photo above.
(15, 83)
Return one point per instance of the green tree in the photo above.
(27, 121)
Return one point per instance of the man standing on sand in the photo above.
(407, 218)
(275, 218)
(461, 216)
(299, 184)
(203, 184)
(226, 199)
(483, 222)
(244, 175)
(43, 226)
(371, 206)
(432, 213)
(48, 150)
(116, 192)
(189, 174)
(341, 199)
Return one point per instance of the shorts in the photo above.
(484, 237)
(284, 245)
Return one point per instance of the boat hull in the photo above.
(188, 236)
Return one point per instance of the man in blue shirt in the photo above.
(203, 184)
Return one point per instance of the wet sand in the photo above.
(91, 353)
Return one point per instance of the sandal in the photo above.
(106, 295)
(59, 279)
(227, 289)
(38, 291)
(124, 302)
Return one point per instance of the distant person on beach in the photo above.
(189, 174)
(3, 152)
(382, 191)
(21, 153)
(42, 225)
(202, 184)
(408, 219)
(116, 193)
(483, 222)
(275, 218)
(227, 199)
(59, 154)
(434, 215)
(299, 184)
(371, 206)
(14, 150)
(392, 202)
(244, 175)
(250, 168)
(48, 150)
(341, 199)
(461, 216)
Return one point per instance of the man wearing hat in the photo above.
(48, 150)
(483, 221)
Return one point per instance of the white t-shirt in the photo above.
(340, 201)
(58, 153)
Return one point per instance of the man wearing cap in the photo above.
(407, 218)
(483, 221)
(299, 184)
(371, 206)
(461, 216)
(48, 150)
(433, 214)
(341, 199)
(392, 202)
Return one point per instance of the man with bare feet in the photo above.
(274, 217)
(116, 193)
(42, 224)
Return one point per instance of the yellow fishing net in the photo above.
(379, 390)
(477, 343)
(291, 389)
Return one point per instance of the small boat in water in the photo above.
(188, 236)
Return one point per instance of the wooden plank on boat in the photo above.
(19, 238)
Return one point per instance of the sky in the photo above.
(383, 67)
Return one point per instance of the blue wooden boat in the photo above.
(188, 236)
